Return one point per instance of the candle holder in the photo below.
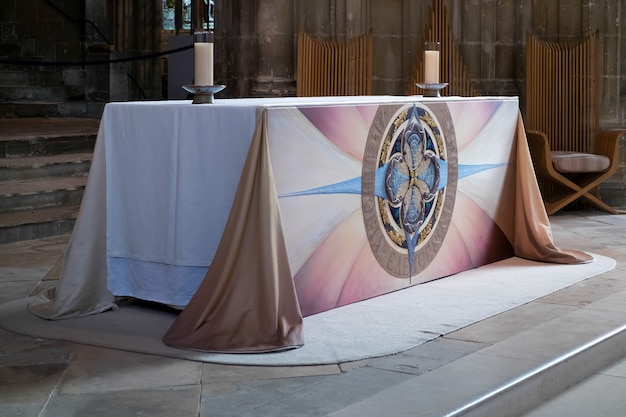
(203, 94)
(432, 89)
(203, 89)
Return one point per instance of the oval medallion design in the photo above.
(410, 173)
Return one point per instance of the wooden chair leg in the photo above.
(578, 192)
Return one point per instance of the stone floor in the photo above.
(47, 378)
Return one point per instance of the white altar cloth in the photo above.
(172, 169)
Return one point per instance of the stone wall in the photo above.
(34, 32)
(490, 34)
(256, 41)
(256, 47)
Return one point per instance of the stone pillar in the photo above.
(138, 33)
(98, 85)
(236, 46)
(275, 30)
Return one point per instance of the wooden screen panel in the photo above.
(452, 68)
(562, 96)
(334, 68)
(562, 91)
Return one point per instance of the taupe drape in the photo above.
(247, 301)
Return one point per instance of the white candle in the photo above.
(431, 67)
(203, 63)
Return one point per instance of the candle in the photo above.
(431, 67)
(431, 63)
(203, 59)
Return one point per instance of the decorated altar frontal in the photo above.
(251, 213)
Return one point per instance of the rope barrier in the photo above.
(98, 62)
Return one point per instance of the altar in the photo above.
(249, 214)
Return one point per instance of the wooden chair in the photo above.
(571, 155)
(334, 68)
(452, 70)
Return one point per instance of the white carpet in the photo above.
(377, 327)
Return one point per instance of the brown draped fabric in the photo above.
(247, 301)
(533, 235)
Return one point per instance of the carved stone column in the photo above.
(235, 46)
(275, 29)
(137, 33)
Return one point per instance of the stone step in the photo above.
(8, 78)
(47, 127)
(512, 376)
(548, 380)
(44, 163)
(35, 224)
(47, 77)
(75, 108)
(13, 50)
(34, 93)
(46, 146)
(42, 193)
(37, 167)
(43, 92)
(38, 136)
